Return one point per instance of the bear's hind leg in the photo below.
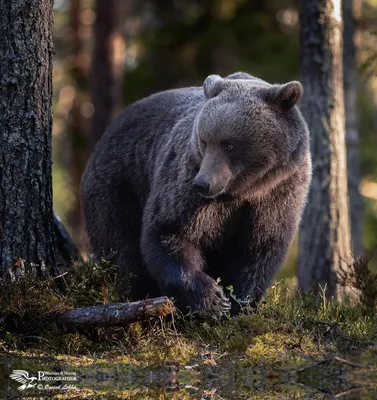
(114, 232)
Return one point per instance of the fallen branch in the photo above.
(117, 314)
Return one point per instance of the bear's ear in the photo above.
(212, 86)
(286, 96)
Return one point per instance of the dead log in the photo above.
(117, 314)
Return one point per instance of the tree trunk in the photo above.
(324, 239)
(77, 124)
(352, 133)
(26, 215)
(107, 66)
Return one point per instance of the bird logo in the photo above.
(23, 377)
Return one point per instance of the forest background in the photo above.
(112, 53)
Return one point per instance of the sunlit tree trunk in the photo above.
(325, 241)
(350, 10)
(26, 215)
(107, 66)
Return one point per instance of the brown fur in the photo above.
(193, 184)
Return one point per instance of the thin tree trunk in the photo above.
(26, 215)
(66, 250)
(352, 131)
(78, 125)
(107, 66)
(324, 239)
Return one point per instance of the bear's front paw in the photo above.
(215, 303)
(203, 297)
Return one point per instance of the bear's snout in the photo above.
(209, 187)
(202, 185)
(214, 174)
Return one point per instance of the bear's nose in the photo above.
(201, 185)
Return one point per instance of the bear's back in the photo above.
(132, 142)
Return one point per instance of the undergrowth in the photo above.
(286, 330)
(363, 282)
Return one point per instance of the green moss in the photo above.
(284, 316)
(287, 331)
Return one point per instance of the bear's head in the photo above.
(247, 132)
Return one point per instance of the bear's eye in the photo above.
(204, 144)
(228, 146)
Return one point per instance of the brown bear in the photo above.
(194, 184)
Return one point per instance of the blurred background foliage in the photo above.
(163, 44)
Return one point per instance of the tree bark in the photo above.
(26, 214)
(350, 77)
(116, 314)
(324, 240)
(107, 66)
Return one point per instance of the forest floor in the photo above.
(291, 347)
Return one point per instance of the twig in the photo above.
(350, 390)
(331, 359)
(350, 363)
